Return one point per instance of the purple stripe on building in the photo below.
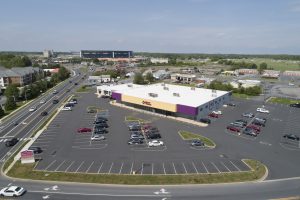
(116, 96)
(188, 110)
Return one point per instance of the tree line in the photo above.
(10, 60)
(251, 91)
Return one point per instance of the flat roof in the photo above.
(188, 96)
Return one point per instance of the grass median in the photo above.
(282, 100)
(185, 135)
(26, 171)
(131, 118)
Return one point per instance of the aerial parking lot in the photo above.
(136, 143)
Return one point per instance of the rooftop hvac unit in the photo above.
(166, 88)
(176, 95)
(193, 88)
(153, 95)
(129, 85)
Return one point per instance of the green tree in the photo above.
(2, 113)
(262, 67)
(149, 77)
(12, 90)
(10, 103)
(138, 79)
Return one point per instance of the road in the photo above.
(56, 190)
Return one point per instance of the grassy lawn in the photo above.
(26, 171)
(185, 135)
(83, 89)
(131, 118)
(241, 96)
(282, 100)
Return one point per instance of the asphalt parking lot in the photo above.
(65, 150)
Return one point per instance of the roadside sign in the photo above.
(27, 156)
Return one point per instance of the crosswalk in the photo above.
(6, 139)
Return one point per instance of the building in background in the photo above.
(270, 74)
(106, 55)
(171, 100)
(94, 80)
(159, 60)
(245, 83)
(291, 73)
(48, 53)
(184, 78)
(246, 71)
(161, 74)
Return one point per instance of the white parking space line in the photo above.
(225, 166)
(205, 167)
(121, 168)
(174, 168)
(59, 165)
(112, 164)
(1, 140)
(69, 166)
(184, 168)
(50, 164)
(195, 167)
(152, 168)
(89, 167)
(79, 166)
(215, 166)
(164, 168)
(235, 165)
(4, 140)
(142, 168)
(100, 168)
(131, 168)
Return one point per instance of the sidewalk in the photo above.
(184, 120)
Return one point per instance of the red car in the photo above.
(84, 130)
(213, 115)
(254, 127)
(233, 128)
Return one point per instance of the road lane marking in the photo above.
(235, 165)
(215, 166)
(50, 164)
(174, 168)
(112, 164)
(205, 167)
(89, 167)
(79, 166)
(59, 165)
(121, 168)
(100, 168)
(195, 167)
(184, 168)
(131, 168)
(69, 166)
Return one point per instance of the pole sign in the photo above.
(27, 156)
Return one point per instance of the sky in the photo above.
(167, 26)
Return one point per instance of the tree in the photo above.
(149, 77)
(263, 65)
(12, 91)
(10, 103)
(138, 79)
(2, 113)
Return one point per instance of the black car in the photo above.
(55, 101)
(101, 118)
(101, 124)
(231, 104)
(291, 137)
(99, 131)
(44, 113)
(135, 141)
(242, 121)
(197, 143)
(295, 105)
(36, 150)
(153, 136)
(258, 123)
(75, 83)
(92, 111)
(11, 142)
(135, 128)
(70, 81)
(205, 120)
(249, 131)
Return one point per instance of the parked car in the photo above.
(67, 109)
(249, 115)
(97, 137)
(32, 109)
(91, 111)
(258, 123)
(295, 105)
(44, 113)
(55, 101)
(135, 141)
(213, 115)
(155, 143)
(12, 191)
(233, 128)
(69, 104)
(244, 122)
(36, 150)
(101, 118)
(134, 128)
(197, 143)
(231, 104)
(205, 120)
(254, 127)
(291, 137)
(101, 124)
(137, 136)
(237, 124)
(75, 83)
(42, 101)
(11, 142)
(262, 110)
(153, 136)
(84, 130)
(218, 112)
(152, 130)
(74, 101)
(249, 131)
(54, 92)
(263, 120)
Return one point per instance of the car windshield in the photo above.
(18, 189)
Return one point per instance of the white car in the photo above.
(97, 137)
(67, 108)
(32, 109)
(42, 101)
(218, 112)
(12, 191)
(262, 110)
(155, 143)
